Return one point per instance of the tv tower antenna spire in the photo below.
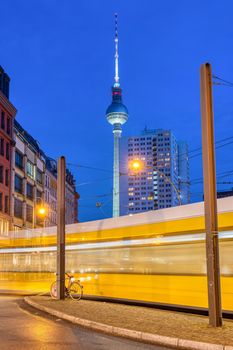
(117, 115)
(116, 84)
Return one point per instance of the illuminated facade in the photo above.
(162, 181)
(7, 114)
(51, 191)
(35, 185)
(117, 115)
(71, 196)
(28, 179)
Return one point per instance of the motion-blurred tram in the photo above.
(154, 257)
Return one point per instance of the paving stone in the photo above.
(142, 319)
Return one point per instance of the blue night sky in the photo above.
(59, 55)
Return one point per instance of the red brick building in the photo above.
(7, 114)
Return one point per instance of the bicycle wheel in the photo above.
(76, 291)
(53, 290)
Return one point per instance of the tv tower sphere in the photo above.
(117, 115)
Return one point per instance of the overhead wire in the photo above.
(107, 170)
(226, 82)
(89, 167)
(94, 181)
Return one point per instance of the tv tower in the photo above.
(117, 115)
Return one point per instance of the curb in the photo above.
(11, 292)
(131, 334)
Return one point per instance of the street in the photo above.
(23, 327)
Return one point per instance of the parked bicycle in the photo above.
(73, 289)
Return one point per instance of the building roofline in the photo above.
(7, 104)
(27, 137)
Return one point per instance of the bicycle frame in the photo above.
(71, 280)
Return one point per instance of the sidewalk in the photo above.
(140, 323)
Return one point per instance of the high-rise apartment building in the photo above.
(162, 178)
(7, 115)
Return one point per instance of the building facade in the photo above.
(7, 115)
(71, 196)
(71, 199)
(28, 180)
(35, 185)
(162, 179)
(51, 192)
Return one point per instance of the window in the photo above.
(8, 126)
(29, 213)
(3, 120)
(6, 204)
(47, 196)
(29, 191)
(7, 151)
(19, 160)
(18, 208)
(39, 176)
(18, 184)
(0, 201)
(7, 177)
(38, 196)
(2, 146)
(30, 169)
(1, 174)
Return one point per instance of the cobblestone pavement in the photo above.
(167, 323)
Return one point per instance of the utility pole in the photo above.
(210, 198)
(61, 181)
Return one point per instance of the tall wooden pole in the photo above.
(210, 198)
(61, 181)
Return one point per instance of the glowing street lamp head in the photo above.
(136, 165)
(41, 211)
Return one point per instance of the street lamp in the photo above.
(137, 165)
(41, 210)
